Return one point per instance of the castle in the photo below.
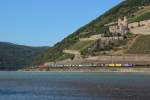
(121, 26)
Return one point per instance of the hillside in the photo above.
(141, 45)
(14, 56)
(133, 9)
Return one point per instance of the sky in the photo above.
(46, 22)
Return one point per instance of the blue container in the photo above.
(128, 65)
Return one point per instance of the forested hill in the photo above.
(14, 56)
(126, 8)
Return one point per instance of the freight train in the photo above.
(95, 65)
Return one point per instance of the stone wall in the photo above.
(142, 27)
(145, 23)
(133, 25)
(141, 23)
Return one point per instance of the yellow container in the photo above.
(118, 65)
(111, 65)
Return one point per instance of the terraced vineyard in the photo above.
(81, 45)
(141, 45)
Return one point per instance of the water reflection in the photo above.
(74, 86)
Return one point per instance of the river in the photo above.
(74, 86)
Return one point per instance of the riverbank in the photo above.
(89, 69)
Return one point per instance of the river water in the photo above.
(74, 86)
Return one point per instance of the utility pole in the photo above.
(112, 59)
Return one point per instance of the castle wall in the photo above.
(113, 29)
(144, 30)
(141, 23)
(142, 27)
(145, 23)
(133, 25)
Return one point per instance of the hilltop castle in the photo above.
(121, 26)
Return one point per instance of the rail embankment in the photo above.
(91, 69)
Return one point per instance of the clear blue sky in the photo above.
(45, 22)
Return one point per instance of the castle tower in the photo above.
(119, 22)
(120, 25)
(125, 22)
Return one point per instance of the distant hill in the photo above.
(14, 56)
(133, 9)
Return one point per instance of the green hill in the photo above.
(14, 56)
(127, 8)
